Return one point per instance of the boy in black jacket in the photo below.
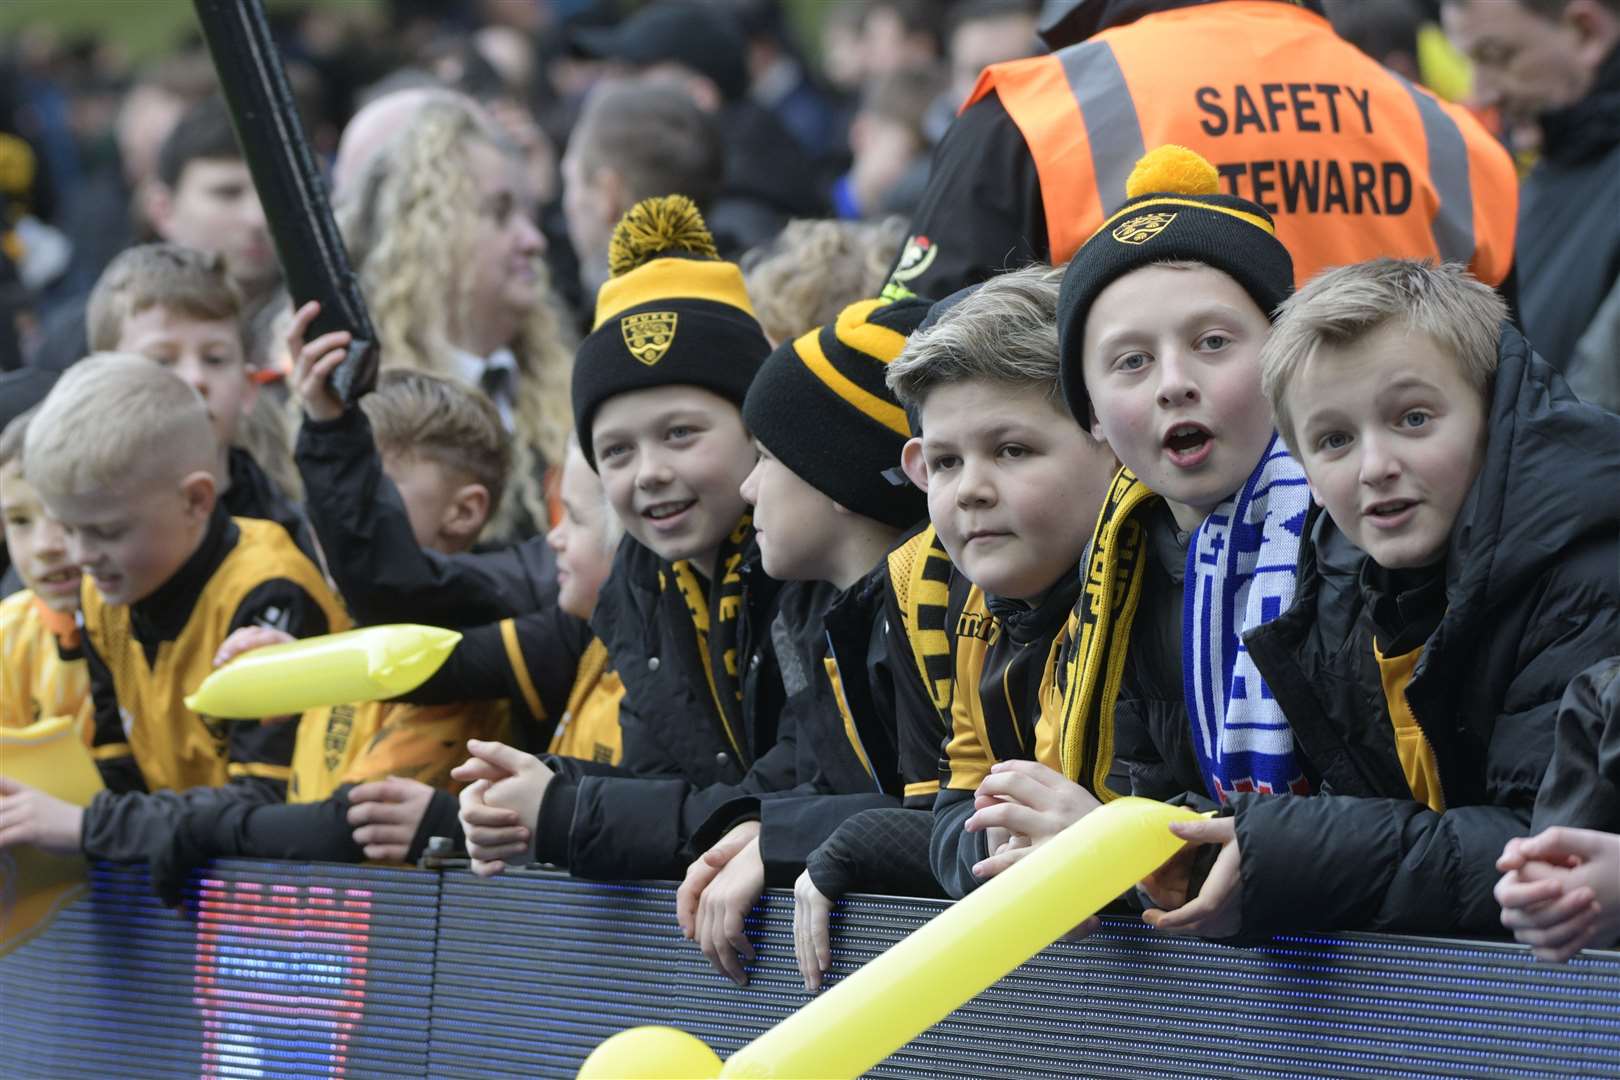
(829, 434)
(1426, 697)
(1014, 486)
(697, 632)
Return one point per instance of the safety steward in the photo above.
(1350, 159)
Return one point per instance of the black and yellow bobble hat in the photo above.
(1174, 212)
(821, 406)
(673, 314)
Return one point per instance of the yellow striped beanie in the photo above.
(821, 406)
(673, 314)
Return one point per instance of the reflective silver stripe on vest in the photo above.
(1115, 134)
(1453, 225)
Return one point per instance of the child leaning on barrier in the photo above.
(123, 455)
(442, 444)
(829, 434)
(691, 623)
(1161, 318)
(1425, 691)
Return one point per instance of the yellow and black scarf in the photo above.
(920, 576)
(1099, 634)
(715, 614)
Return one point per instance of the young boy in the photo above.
(829, 433)
(122, 454)
(1013, 488)
(442, 444)
(44, 667)
(176, 306)
(691, 623)
(1440, 445)
(1161, 319)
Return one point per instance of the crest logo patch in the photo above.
(649, 335)
(1142, 228)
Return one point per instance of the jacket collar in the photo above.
(161, 616)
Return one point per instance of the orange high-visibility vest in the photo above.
(1352, 160)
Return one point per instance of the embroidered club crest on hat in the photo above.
(649, 334)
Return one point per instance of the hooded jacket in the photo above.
(1531, 599)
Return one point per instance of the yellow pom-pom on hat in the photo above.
(1172, 169)
(662, 250)
(666, 225)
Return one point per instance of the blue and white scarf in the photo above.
(1241, 567)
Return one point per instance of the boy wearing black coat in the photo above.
(699, 635)
(1460, 462)
(828, 430)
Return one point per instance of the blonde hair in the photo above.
(113, 419)
(1005, 331)
(13, 435)
(814, 269)
(190, 282)
(1339, 307)
(417, 198)
(444, 421)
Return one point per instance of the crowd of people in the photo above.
(847, 476)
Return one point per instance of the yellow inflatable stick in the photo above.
(49, 755)
(357, 665)
(946, 962)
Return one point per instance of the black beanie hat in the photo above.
(1173, 213)
(821, 406)
(673, 314)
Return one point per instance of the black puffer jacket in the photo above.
(1582, 787)
(1532, 600)
(679, 764)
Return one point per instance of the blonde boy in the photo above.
(45, 674)
(123, 455)
(1427, 692)
(178, 307)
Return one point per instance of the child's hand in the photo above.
(248, 638)
(812, 943)
(722, 908)
(1561, 891)
(1029, 800)
(29, 816)
(314, 363)
(704, 869)
(1217, 911)
(385, 815)
(500, 808)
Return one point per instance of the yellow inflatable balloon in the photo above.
(49, 755)
(651, 1053)
(965, 949)
(357, 665)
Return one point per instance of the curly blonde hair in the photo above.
(415, 204)
(815, 268)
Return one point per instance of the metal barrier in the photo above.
(294, 970)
